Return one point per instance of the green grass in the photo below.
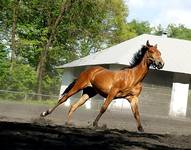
(49, 102)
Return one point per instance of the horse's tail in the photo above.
(70, 86)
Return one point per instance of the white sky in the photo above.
(161, 12)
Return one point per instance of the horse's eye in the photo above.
(151, 51)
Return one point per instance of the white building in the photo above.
(165, 92)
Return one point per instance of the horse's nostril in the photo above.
(160, 65)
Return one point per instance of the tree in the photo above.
(179, 31)
(13, 32)
(3, 65)
(84, 28)
(159, 30)
(48, 33)
(117, 29)
(64, 7)
(139, 28)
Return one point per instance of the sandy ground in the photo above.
(21, 126)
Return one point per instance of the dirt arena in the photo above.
(22, 128)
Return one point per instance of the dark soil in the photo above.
(22, 136)
(21, 128)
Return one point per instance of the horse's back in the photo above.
(104, 80)
(100, 78)
(92, 70)
(89, 73)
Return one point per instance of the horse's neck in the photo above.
(141, 70)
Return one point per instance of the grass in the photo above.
(49, 102)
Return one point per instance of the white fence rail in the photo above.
(15, 95)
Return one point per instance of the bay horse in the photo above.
(125, 83)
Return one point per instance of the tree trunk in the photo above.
(13, 34)
(41, 65)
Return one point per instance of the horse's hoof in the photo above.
(68, 124)
(43, 114)
(140, 129)
(104, 126)
(95, 124)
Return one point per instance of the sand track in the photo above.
(22, 129)
(33, 136)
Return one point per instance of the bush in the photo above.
(21, 78)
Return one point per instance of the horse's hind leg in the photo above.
(79, 85)
(74, 106)
(87, 93)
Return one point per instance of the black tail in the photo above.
(69, 87)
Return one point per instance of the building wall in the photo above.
(189, 102)
(156, 95)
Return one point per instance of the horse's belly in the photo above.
(103, 84)
(102, 89)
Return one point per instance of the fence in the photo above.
(18, 96)
(153, 101)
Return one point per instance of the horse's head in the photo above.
(154, 56)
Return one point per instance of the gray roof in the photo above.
(176, 53)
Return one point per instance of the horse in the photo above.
(125, 83)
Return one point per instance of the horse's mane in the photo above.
(137, 57)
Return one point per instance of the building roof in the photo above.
(176, 53)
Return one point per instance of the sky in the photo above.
(162, 12)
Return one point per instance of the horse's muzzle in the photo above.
(159, 65)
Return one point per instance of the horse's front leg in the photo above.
(134, 107)
(108, 100)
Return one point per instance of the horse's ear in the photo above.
(155, 45)
(147, 44)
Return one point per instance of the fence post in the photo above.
(26, 96)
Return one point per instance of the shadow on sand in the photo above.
(41, 136)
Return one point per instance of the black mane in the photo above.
(137, 58)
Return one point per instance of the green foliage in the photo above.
(21, 78)
(51, 85)
(93, 25)
(179, 31)
(174, 31)
(140, 27)
(86, 27)
(4, 65)
(159, 30)
(117, 13)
